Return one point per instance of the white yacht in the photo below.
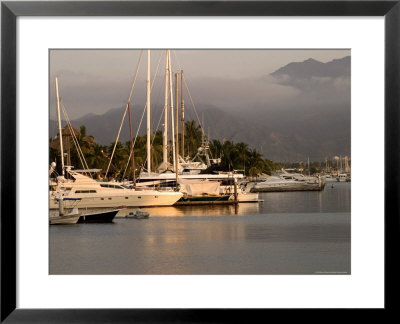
(95, 194)
(274, 183)
(298, 177)
(168, 178)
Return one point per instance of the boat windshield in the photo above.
(110, 186)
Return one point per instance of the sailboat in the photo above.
(182, 171)
(94, 194)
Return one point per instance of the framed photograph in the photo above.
(195, 160)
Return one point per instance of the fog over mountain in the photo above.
(300, 110)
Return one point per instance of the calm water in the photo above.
(287, 233)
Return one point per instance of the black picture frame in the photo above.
(10, 10)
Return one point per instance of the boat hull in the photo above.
(65, 219)
(204, 200)
(246, 197)
(289, 187)
(140, 199)
(100, 217)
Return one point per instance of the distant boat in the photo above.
(341, 177)
(139, 214)
(298, 177)
(276, 184)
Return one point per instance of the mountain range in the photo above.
(315, 125)
(313, 68)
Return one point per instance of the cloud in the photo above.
(239, 94)
(315, 83)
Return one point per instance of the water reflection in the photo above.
(201, 210)
(287, 233)
(335, 198)
(257, 244)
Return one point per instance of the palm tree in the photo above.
(233, 156)
(256, 161)
(242, 157)
(229, 154)
(97, 159)
(216, 148)
(120, 157)
(156, 155)
(193, 135)
(254, 172)
(270, 166)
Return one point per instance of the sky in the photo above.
(95, 81)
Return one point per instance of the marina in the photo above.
(176, 200)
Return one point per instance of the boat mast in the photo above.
(148, 113)
(182, 119)
(133, 154)
(172, 109)
(59, 128)
(337, 164)
(165, 135)
(177, 128)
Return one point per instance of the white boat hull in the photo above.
(246, 197)
(242, 195)
(138, 199)
(65, 219)
(276, 184)
(287, 187)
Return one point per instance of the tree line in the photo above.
(234, 156)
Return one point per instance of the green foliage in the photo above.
(239, 156)
(233, 156)
(193, 137)
(83, 130)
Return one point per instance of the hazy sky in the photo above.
(94, 81)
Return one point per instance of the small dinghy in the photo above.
(71, 218)
(62, 218)
(139, 214)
